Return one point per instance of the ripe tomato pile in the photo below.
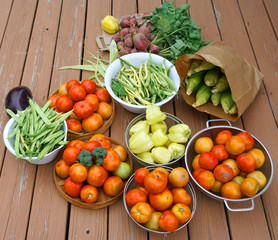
(229, 166)
(160, 201)
(90, 105)
(92, 165)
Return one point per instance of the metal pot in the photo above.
(188, 187)
(170, 120)
(212, 131)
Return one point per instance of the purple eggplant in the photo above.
(18, 98)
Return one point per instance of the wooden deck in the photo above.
(38, 37)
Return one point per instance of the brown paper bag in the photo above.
(244, 78)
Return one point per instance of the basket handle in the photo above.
(217, 120)
(240, 209)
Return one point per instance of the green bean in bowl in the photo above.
(138, 80)
(36, 134)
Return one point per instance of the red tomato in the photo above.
(83, 109)
(134, 196)
(168, 221)
(140, 175)
(235, 145)
(155, 182)
(221, 152)
(92, 99)
(53, 100)
(223, 136)
(121, 151)
(223, 173)
(112, 160)
(182, 212)
(141, 212)
(92, 123)
(105, 110)
(70, 155)
(208, 160)
(104, 141)
(76, 143)
(62, 168)
(74, 125)
(205, 178)
(72, 83)
(64, 104)
(161, 201)
(89, 194)
(113, 186)
(246, 162)
(178, 177)
(63, 90)
(248, 140)
(89, 85)
(90, 146)
(103, 95)
(142, 189)
(77, 93)
(72, 188)
(97, 175)
(181, 196)
(78, 172)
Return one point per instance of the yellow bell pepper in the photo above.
(176, 149)
(161, 155)
(159, 125)
(159, 138)
(146, 157)
(179, 133)
(154, 115)
(110, 25)
(138, 126)
(140, 142)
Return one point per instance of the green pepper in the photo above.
(140, 142)
(138, 126)
(160, 125)
(176, 149)
(179, 133)
(154, 115)
(146, 157)
(161, 155)
(159, 138)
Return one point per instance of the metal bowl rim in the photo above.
(212, 194)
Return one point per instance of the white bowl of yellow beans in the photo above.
(138, 80)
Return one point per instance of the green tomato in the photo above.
(123, 171)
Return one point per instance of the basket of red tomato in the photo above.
(91, 172)
(160, 199)
(229, 164)
(92, 107)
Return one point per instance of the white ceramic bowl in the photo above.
(136, 59)
(34, 160)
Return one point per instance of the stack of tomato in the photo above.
(90, 105)
(230, 166)
(92, 165)
(160, 201)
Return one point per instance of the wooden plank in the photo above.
(265, 45)
(233, 32)
(15, 184)
(210, 214)
(49, 213)
(6, 7)
(85, 223)
(271, 7)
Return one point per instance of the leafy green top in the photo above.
(99, 152)
(176, 33)
(85, 158)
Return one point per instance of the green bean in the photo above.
(16, 118)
